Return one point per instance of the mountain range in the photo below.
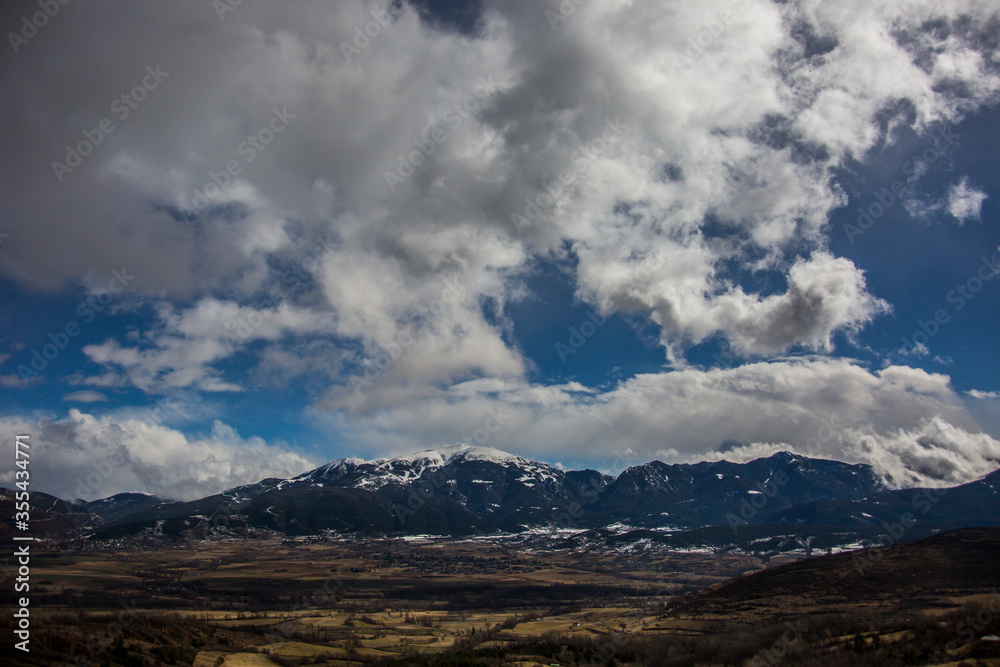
(465, 491)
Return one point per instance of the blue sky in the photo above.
(700, 276)
(915, 262)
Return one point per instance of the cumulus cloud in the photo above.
(935, 453)
(96, 457)
(825, 295)
(909, 424)
(731, 121)
(813, 406)
(620, 142)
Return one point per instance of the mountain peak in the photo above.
(448, 453)
(458, 489)
(439, 456)
(375, 473)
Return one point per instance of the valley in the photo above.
(444, 601)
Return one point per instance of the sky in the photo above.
(238, 240)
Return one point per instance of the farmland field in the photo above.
(384, 601)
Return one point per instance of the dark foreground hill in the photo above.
(931, 602)
(907, 577)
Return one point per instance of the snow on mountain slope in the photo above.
(376, 473)
(444, 455)
(460, 490)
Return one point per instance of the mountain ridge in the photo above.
(462, 490)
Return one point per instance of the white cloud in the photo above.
(749, 104)
(14, 380)
(983, 395)
(965, 202)
(743, 452)
(825, 295)
(935, 453)
(910, 424)
(962, 202)
(86, 396)
(179, 353)
(815, 406)
(109, 380)
(748, 134)
(96, 457)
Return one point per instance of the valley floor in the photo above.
(454, 602)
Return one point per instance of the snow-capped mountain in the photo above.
(376, 473)
(462, 490)
(507, 490)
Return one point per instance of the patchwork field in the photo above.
(469, 603)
